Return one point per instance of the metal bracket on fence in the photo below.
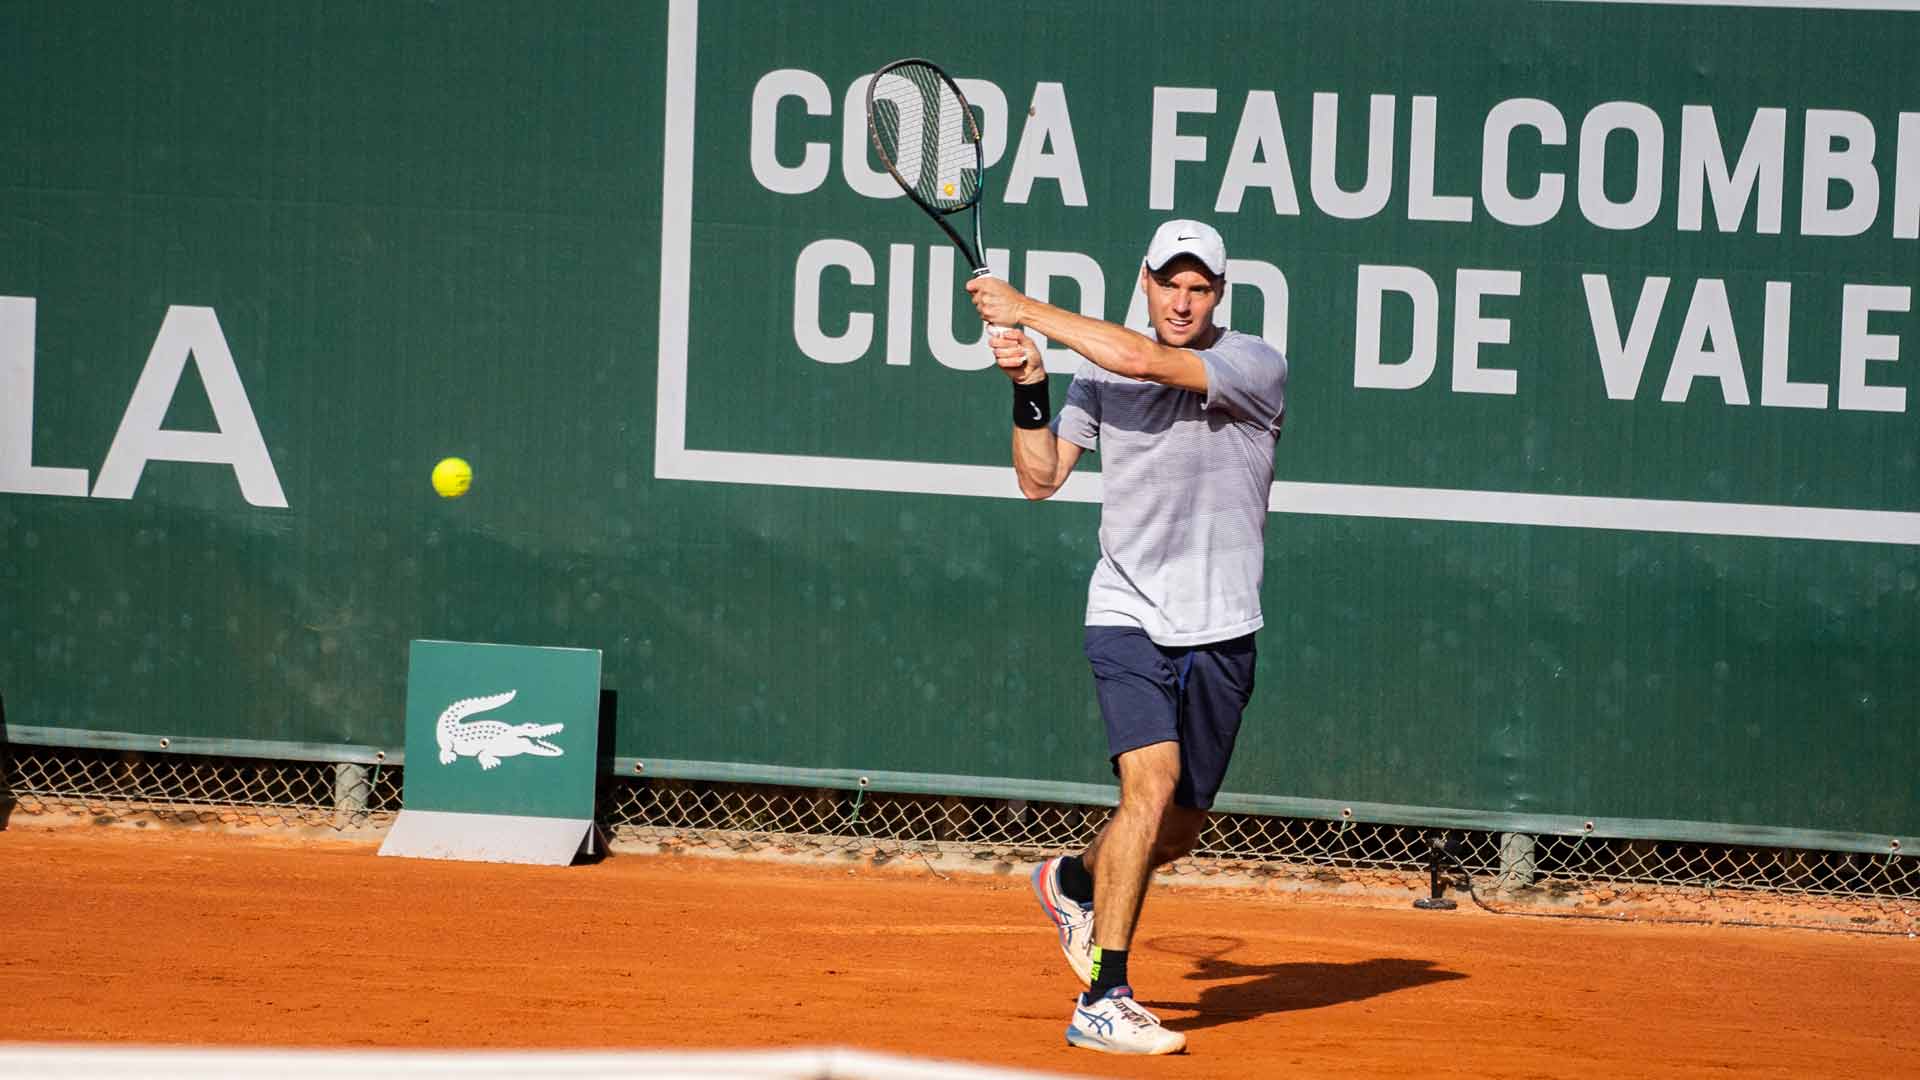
(1346, 822)
(1437, 846)
(859, 800)
(373, 781)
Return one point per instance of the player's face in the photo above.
(1181, 297)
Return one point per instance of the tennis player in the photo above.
(1185, 421)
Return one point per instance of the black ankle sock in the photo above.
(1109, 971)
(1075, 882)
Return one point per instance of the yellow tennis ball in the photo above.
(452, 477)
(949, 191)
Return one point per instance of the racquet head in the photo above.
(925, 135)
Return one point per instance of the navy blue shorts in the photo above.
(1156, 693)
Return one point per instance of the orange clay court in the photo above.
(183, 937)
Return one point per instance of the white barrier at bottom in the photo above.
(156, 1063)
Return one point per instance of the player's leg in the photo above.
(1180, 829)
(1139, 700)
(1139, 685)
(1107, 1017)
(1138, 691)
(1123, 854)
(1216, 683)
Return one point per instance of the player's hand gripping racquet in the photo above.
(928, 139)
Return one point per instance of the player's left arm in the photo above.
(1116, 348)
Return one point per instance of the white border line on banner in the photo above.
(674, 461)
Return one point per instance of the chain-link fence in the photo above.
(1570, 876)
(116, 784)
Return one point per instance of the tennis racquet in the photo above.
(928, 139)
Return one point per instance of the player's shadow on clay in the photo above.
(1242, 991)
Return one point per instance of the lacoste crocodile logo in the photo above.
(490, 740)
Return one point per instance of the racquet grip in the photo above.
(992, 330)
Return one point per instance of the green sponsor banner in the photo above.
(1565, 264)
(502, 729)
(1597, 499)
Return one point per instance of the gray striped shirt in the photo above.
(1186, 479)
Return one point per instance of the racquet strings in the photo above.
(926, 136)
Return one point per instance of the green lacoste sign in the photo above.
(501, 750)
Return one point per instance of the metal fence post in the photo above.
(1516, 860)
(351, 789)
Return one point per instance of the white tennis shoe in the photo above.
(1070, 917)
(1117, 1024)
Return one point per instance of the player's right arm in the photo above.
(1041, 459)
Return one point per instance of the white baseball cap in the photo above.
(1182, 236)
